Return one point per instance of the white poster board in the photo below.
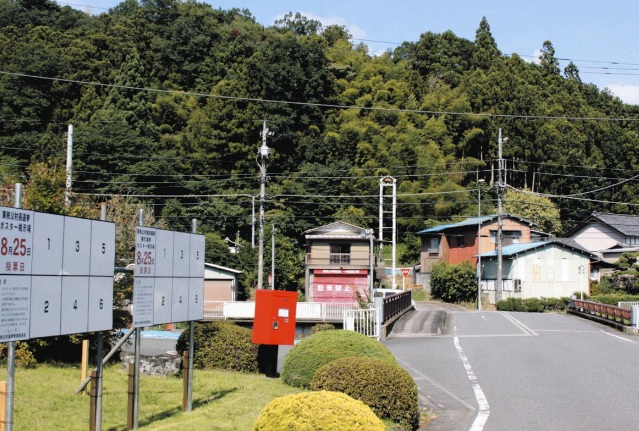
(169, 277)
(56, 275)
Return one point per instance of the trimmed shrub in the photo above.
(533, 305)
(311, 411)
(310, 354)
(386, 388)
(322, 327)
(454, 283)
(614, 299)
(223, 345)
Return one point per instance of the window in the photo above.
(460, 241)
(433, 245)
(633, 240)
(340, 253)
(493, 236)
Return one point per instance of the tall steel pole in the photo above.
(253, 224)
(67, 194)
(479, 242)
(189, 383)
(273, 258)
(263, 154)
(500, 192)
(136, 360)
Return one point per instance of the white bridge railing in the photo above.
(366, 322)
(305, 310)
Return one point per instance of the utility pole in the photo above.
(388, 182)
(500, 192)
(263, 153)
(67, 195)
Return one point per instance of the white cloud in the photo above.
(354, 30)
(535, 57)
(627, 92)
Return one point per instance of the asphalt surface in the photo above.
(521, 371)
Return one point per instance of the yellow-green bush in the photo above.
(319, 349)
(317, 411)
(386, 388)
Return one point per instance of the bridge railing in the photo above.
(605, 311)
(304, 311)
(396, 304)
(627, 304)
(367, 322)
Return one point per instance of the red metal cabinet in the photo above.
(274, 322)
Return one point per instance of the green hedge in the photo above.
(386, 388)
(533, 305)
(454, 283)
(614, 299)
(317, 411)
(319, 349)
(223, 345)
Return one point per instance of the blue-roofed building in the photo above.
(551, 269)
(456, 242)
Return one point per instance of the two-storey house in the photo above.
(456, 242)
(338, 263)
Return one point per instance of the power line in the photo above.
(321, 105)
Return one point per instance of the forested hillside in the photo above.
(168, 99)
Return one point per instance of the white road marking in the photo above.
(421, 376)
(517, 323)
(484, 408)
(617, 336)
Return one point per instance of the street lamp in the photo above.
(479, 244)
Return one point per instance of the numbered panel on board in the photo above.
(76, 246)
(181, 254)
(46, 294)
(100, 304)
(48, 230)
(197, 256)
(102, 248)
(180, 300)
(74, 314)
(196, 298)
(162, 299)
(164, 253)
(16, 241)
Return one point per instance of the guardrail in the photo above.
(366, 322)
(609, 312)
(627, 304)
(305, 310)
(396, 304)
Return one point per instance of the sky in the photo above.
(600, 37)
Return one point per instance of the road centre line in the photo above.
(517, 323)
(484, 408)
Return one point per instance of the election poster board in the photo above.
(169, 277)
(56, 275)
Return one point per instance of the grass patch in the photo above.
(222, 400)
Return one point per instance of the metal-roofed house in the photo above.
(607, 235)
(552, 269)
(220, 283)
(456, 242)
(339, 262)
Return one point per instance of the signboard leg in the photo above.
(189, 401)
(136, 378)
(98, 373)
(11, 370)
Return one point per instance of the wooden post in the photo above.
(84, 366)
(131, 400)
(185, 380)
(3, 401)
(93, 402)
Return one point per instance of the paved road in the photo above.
(523, 371)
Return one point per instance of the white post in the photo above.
(67, 196)
(394, 233)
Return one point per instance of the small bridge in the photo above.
(621, 316)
